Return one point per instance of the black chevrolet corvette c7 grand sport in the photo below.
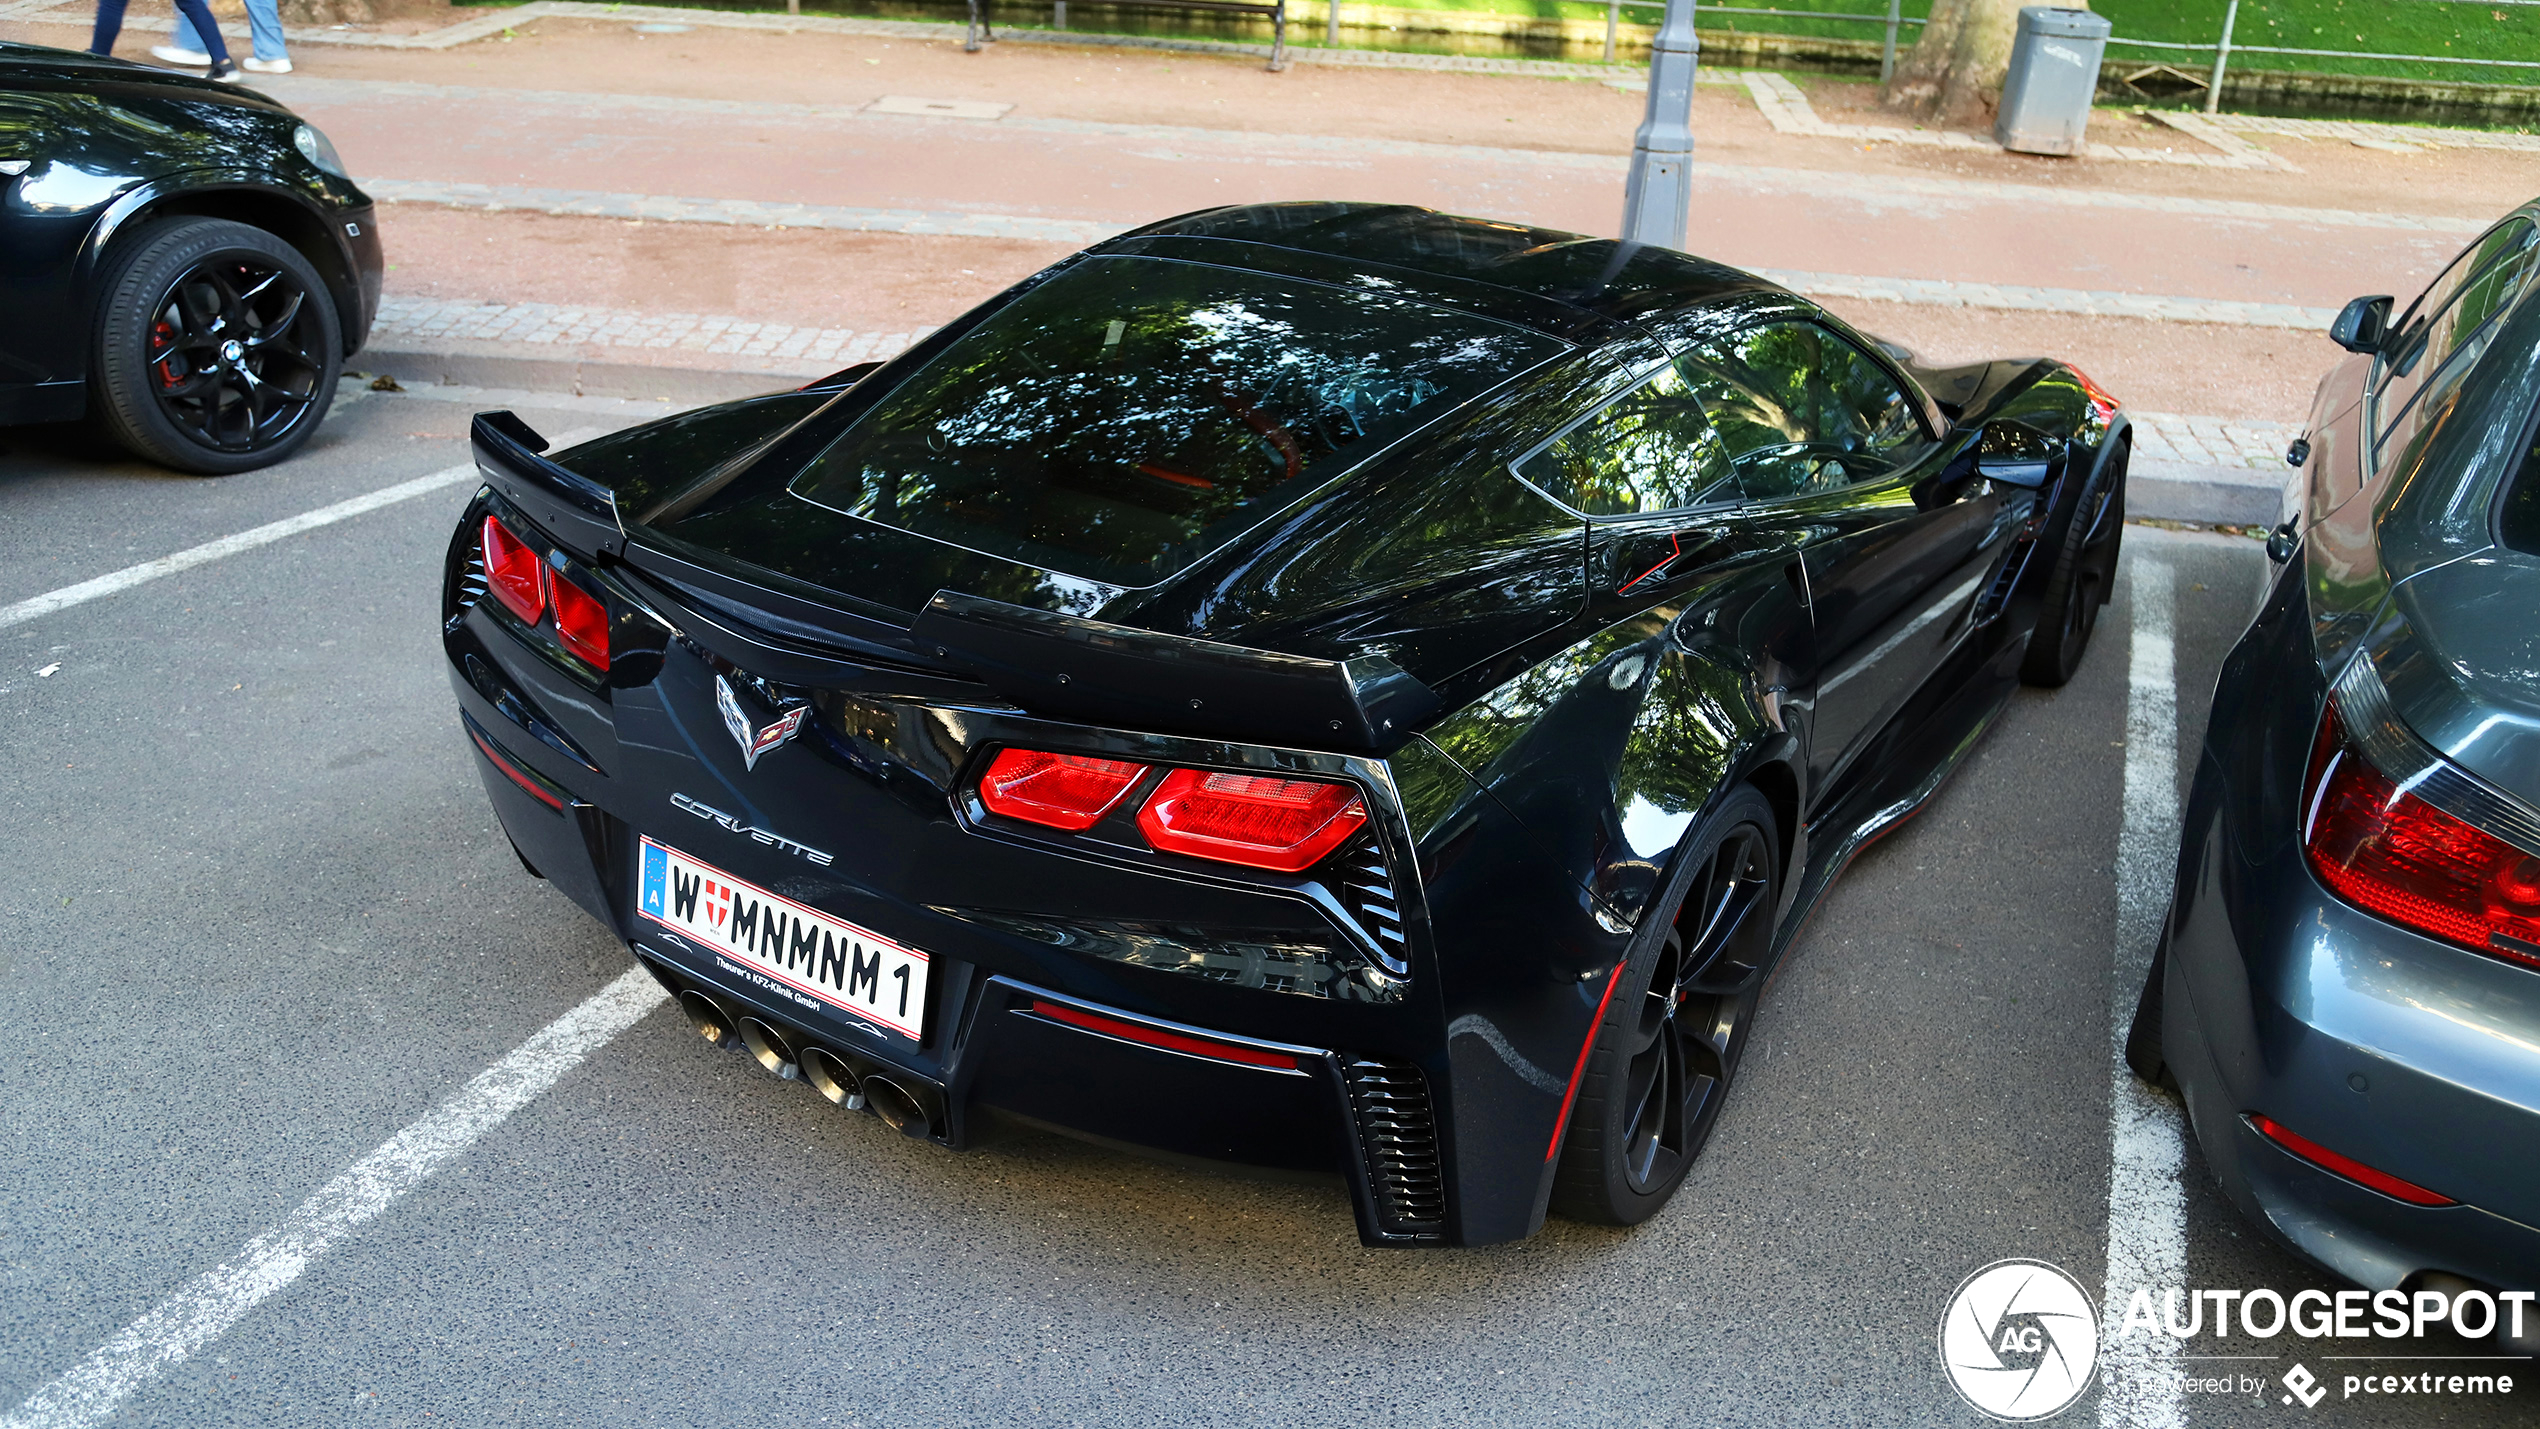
(1319, 686)
(184, 262)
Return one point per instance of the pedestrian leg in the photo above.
(204, 26)
(264, 21)
(109, 25)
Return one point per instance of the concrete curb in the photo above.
(2207, 495)
(571, 370)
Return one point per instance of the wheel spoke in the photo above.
(231, 331)
(282, 323)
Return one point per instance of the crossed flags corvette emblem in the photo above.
(754, 742)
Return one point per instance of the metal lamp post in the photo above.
(1660, 190)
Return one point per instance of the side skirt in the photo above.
(1881, 806)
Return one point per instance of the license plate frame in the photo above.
(810, 956)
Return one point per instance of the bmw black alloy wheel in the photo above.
(231, 355)
(1670, 1041)
(217, 346)
(1678, 1057)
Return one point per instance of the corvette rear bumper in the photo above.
(1121, 996)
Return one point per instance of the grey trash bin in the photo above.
(2054, 75)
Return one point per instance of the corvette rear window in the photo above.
(1127, 418)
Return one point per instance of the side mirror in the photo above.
(2362, 324)
(2015, 455)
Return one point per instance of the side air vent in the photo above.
(468, 585)
(1367, 891)
(1398, 1132)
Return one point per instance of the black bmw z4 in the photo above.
(1316, 686)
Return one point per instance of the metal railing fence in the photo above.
(2223, 49)
(1893, 20)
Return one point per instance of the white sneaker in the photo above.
(182, 59)
(256, 66)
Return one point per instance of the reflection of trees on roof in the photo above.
(1112, 421)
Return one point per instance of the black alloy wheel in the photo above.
(2085, 575)
(1676, 1026)
(217, 347)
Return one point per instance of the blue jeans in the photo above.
(110, 24)
(264, 21)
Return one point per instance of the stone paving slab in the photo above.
(2013, 297)
(423, 322)
(1785, 106)
(2363, 132)
(743, 213)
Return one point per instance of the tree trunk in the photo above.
(1952, 76)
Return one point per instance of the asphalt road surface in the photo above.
(260, 919)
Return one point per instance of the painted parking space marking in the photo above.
(2147, 1207)
(209, 1304)
(115, 581)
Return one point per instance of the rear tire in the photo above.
(1675, 1026)
(2084, 576)
(216, 349)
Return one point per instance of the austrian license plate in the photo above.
(778, 943)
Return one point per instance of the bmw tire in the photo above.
(217, 347)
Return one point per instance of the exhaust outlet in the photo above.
(769, 1047)
(830, 1076)
(708, 1017)
(898, 1109)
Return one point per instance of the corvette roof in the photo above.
(1602, 276)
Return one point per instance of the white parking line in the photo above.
(2147, 1209)
(247, 540)
(213, 1301)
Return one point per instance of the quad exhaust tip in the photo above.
(708, 1017)
(828, 1073)
(832, 1078)
(769, 1046)
(902, 1112)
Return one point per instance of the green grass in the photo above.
(2416, 27)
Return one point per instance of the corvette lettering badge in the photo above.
(754, 743)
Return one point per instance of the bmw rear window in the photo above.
(1127, 418)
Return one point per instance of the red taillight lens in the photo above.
(515, 573)
(1063, 791)
(2346, 1166)
(1286, 825)
(582, 622)
(2389, 852)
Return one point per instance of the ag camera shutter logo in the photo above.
(2019, 1340)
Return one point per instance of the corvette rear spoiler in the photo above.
(1068, 667)
(580, 513)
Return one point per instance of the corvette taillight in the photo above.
(2389, 852)
(513, 570)
(1285, 825)
(1062, 791)
(526, 587)
(582, 622)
